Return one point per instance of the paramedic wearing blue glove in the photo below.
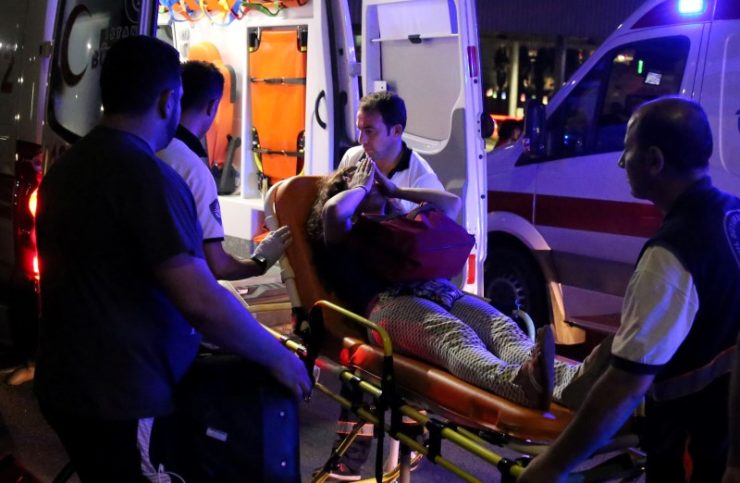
(202, 86)
(125, 289)
(680, 318)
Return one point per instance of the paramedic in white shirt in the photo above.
(202, 90)
(380, 140)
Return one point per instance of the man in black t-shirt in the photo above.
(125, 291)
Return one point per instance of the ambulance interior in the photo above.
(277, 94)
(293, 87)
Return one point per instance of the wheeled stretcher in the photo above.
(467, 415)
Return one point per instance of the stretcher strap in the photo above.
(434, 443)
(348, 427)
(278, 6)
(221, 12)
(380, 436)
(280, 80)
(295, 154)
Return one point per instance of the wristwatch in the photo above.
(260, 261)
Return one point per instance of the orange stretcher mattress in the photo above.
(223, 124)
(277, 81)
(420, 382)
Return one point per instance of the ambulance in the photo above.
(564, 232)
(293, 83)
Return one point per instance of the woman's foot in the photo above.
(536, 377)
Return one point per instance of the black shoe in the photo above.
(536, 376)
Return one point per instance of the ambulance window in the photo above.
(639, 72)
(593, 118)
(87, 29)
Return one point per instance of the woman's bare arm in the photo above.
(338, 211)
(445, 201)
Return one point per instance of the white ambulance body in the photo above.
(564, 232)
(426, 50)
(402, 44)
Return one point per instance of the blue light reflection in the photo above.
(691, 7)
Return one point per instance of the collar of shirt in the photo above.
(191, 141)
(689, 197)
(403, 163)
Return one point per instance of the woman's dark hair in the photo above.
(328, 188)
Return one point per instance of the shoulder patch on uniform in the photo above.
(215, 208)
(732, 232)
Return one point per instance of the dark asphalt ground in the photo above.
(24, 433)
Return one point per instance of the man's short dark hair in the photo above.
(680, 129)
(202, 82)
(136, 70)
(390, 106)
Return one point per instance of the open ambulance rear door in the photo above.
(427, 52)
(290, 99)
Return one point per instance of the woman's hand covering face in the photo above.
(363, 176)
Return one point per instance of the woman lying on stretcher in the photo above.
(432, 319)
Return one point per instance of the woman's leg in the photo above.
(500, 334)
(504, 338)
(422, 328)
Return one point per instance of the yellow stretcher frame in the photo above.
(323, 319)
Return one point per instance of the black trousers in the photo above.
(103, 450)
(232, 423)
(695, 424)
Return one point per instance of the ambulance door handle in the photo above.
(322, 123)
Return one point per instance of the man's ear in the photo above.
(212, 107)
(397, 130)
(655, 160)
(165, 103)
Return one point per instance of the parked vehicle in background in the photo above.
(23, 68)
(563, 230)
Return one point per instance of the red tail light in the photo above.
(471, 269)
(32, 201)
(27, 179)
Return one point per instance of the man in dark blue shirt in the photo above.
(125, 290)
(680, 318)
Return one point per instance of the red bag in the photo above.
(402, 250)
